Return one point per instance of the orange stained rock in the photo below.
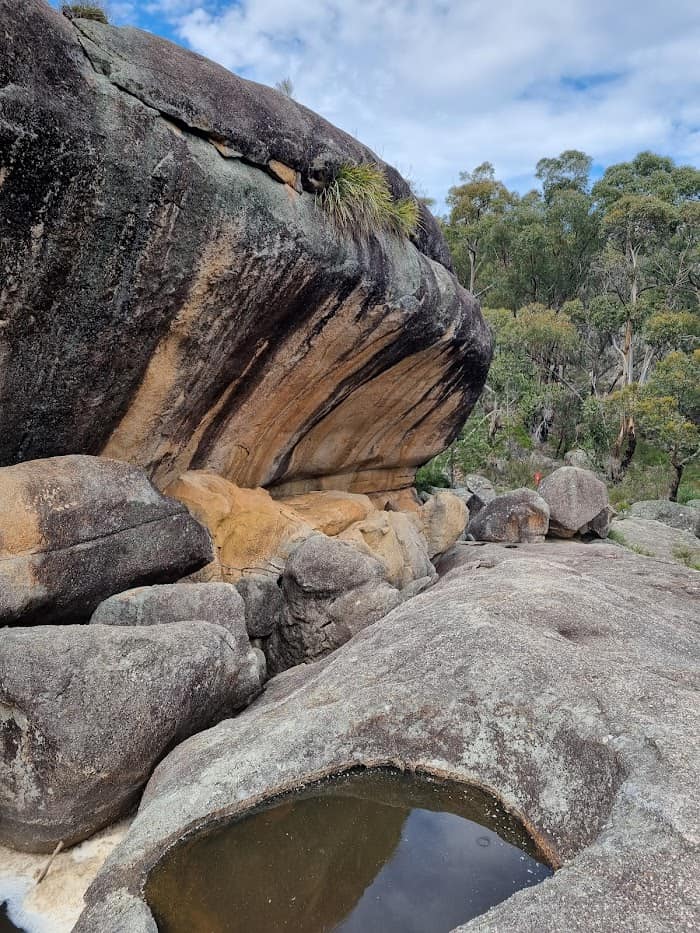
(252, 532)
(395, 539)
(330, 511)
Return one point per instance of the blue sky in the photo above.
(438, 86)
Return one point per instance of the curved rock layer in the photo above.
(552, 674)
(166, 299)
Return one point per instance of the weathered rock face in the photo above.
(252, 532)
(578, 502)
(75, 529)
(263, 601)
(112, 701)
(674, 514)
(187, 308)
(520, 515)
(331, 591)
(443, 520)
(218, 603)
(331, 512)
(542, 673)
(657, 539)
(395, 539)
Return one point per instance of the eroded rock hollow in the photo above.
(172, 294)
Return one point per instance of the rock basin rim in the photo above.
(289, 790)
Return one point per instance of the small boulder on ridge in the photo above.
(578, 503)
(520, 515)
(331, 591)
(218, 603)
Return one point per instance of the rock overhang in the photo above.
(189, 310)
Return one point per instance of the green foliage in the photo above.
(593, 295)
(690, 484)
(360, 202)
(84, 11)
(640, 483)
(431, 475)
(677, 376)
(665, 330)
(404, 216)
(648, 174)
(617, 537)
(568, 172)
(662, 422)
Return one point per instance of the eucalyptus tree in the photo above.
(476, 205)
(650, 228)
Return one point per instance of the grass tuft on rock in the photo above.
(686, 556)
(87, 11)
(360, 202)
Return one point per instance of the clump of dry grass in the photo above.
(359, 201)
(84, 11)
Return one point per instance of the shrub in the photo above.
(430, 475)
(642, 481)
(80, 11)
(359, 201)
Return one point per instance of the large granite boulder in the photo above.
(331, 591)
(76, 529)
(86, 711)
(520, 515)
(674, 514)
(578, 503)
(218, 603)
(167, 299)
(443, 519)
(552, 674)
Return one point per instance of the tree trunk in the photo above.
(631, 446)
(678, 470)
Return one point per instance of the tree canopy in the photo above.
(593, 292)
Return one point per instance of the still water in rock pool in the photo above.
(374, 851)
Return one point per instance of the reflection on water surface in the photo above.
(372, 851)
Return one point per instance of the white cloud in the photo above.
(436, 87)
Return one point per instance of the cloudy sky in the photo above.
(438, 86)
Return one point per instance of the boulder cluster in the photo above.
(212, 407)
(570, 502)
(135, 623)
